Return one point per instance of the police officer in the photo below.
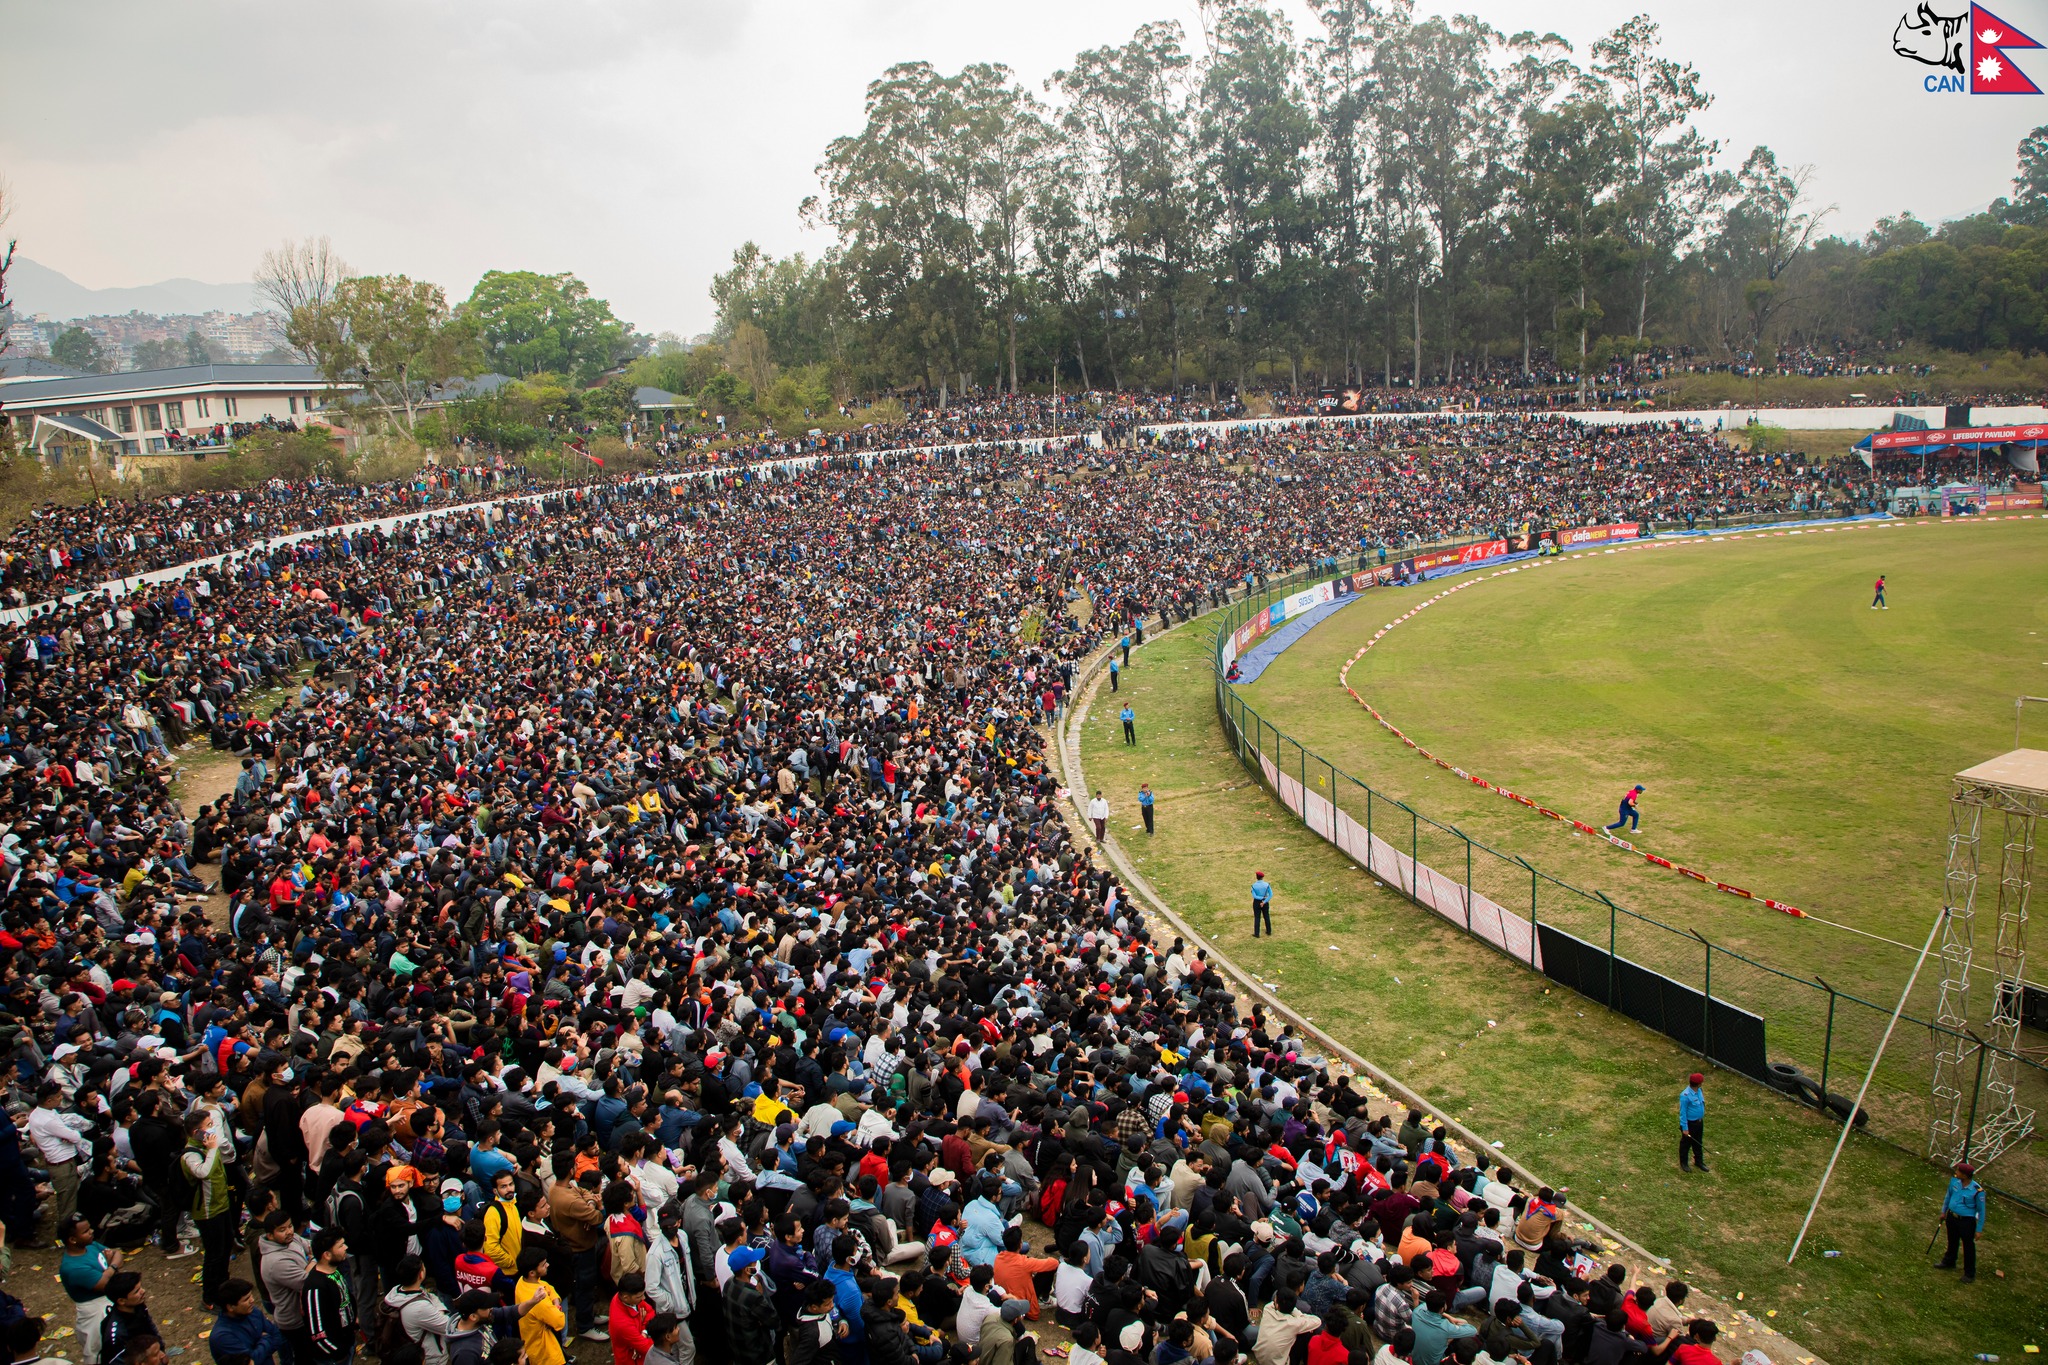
(1963, 1212)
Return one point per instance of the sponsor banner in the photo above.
(1950, 436)
(2011, 502)
(1294, 604)
(1244, 636)
(1363, 579)
(1479, 552)
(1598, 535)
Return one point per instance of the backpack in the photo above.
(389, 1336)
(336, 1206)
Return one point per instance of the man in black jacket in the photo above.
(157, 1141)
(750, 1321)
(1163, 1268)
(330, 1307)
(128, 1321)
(282, 1109)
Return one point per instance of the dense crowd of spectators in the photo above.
(66, 549)
(649, 915)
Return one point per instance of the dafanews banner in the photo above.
(1598, 535)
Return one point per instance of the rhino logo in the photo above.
(1932, 39)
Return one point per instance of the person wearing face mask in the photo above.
(441, 1238)
(207, 1178)
(283, 1107)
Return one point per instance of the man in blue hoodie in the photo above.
(242, 1332)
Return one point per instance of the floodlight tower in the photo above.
(2004, 799)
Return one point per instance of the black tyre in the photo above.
(1784, 1076)
(1808, 1090)
(1839, 1106)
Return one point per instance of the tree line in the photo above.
(399, 340)
(1390, 200)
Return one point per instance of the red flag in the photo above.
(1992, 71)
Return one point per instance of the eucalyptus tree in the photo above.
(1128, 115)
(1667, 182)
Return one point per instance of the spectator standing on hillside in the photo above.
(1098, 814)
(1262, 904)
(1692, 1122)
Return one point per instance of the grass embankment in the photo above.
(1582, 1094)
(1957, 378)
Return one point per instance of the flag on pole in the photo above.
(576, 444)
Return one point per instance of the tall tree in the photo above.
(1666, 160)
(1443, 122)
(1256, 128)
(395, 337)
(1769, 221)
(80, 350)
(1542, 66)
(1576, 151)
(529, 323)
(899, 192)
(299, 280)
(1009, 148)
(1345, 83)
(1129, 124)
(2029, 203)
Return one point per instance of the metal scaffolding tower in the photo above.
(1977, 1108)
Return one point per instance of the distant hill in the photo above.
(38, 289)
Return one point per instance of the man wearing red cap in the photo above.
(1692, 1122)
(1963, 1212)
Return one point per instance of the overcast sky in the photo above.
(637, 142)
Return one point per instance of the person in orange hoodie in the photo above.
(1016, 1270)
(631, 1312)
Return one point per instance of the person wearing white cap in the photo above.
(65, 1072)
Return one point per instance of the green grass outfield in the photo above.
(1583, 1095)
(1792, 740)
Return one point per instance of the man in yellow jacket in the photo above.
(541, 1328)
(502, 1235)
